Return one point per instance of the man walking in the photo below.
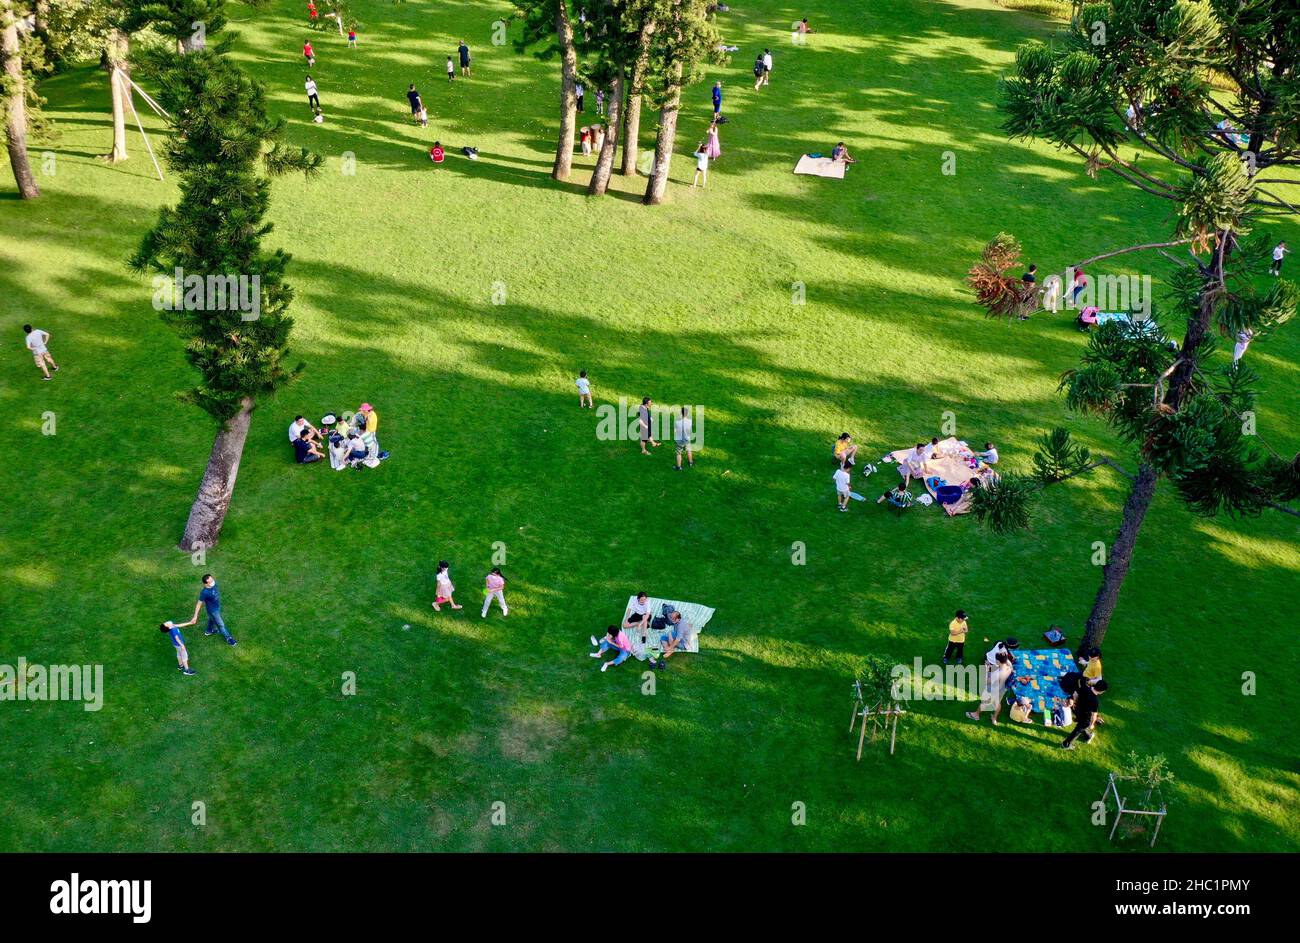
(1086, 705)
(717, 100)
(210, 597)
(644, 419)
(682, 435)
(37, 343)
(463, 50)
(417, 106)
(1279, 253)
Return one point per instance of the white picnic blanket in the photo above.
(693, 613)
(820, 167)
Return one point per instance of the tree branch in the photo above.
(1149, 245)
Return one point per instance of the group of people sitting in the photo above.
(1081, 705)
(845, 452)
(661, 635)
(347, 444)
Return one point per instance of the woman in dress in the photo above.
(712, 147)
(445, 588)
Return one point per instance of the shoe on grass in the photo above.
(188, 671)
(594, 643)
(230, 640)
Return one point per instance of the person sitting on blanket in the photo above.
(616, 639)
(357, 450)
(638, 613)
(845, 450)
(989, 456)
(678, 631)
(841, 153)
(913, 465)
(898, 496)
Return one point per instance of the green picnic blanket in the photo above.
(696, 615)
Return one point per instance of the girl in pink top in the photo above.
(496, 584)
(615, 638)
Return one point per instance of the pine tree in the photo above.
(1147, 73)
(223, 147)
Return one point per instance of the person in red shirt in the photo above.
(312, 14)
(308, 53)
(436, 153)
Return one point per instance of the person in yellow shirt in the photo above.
(957, 630)
(1092, 674)
(846, 453)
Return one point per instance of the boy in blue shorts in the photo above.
(178, 640)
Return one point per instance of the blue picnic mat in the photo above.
(1043, 668)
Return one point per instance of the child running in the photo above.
(37, 342)
(616, 639)
(445, 588)
(495, 589)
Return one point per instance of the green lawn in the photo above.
(690, 302)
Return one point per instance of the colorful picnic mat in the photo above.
(696, 615)
(951, 464)
(1043, 667)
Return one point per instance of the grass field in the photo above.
(395, 267)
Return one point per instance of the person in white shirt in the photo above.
(298, 425)
(767, 67)
(638, 613)
(841, 479)
(682, 435)
(38, 343)
(1244, 337)
(1279, 253)
(584, 390)
(313, 100)
(914, 464)
(999, 666)
(990, 454)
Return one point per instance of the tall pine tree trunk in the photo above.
(605, 162)
(118, 49)
(208, 512)
(657, 185)
(1143, 489)
(16, 106)
(568, 95)
(1121, 556)
(632, 115)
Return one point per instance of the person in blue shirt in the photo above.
(717, 99)
(210, 597)
(178, 640)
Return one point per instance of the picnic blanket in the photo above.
(698, 616)
(952, 467)
(820, 167)
(1043, 667)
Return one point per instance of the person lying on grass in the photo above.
(898, 496)
(616, 639)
